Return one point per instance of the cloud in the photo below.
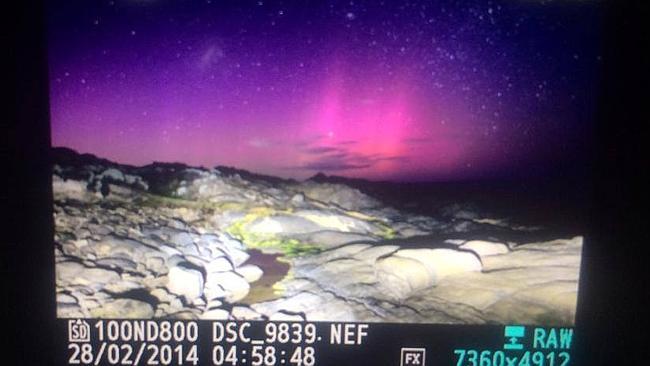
(417, 140)
(340, 161)
(259, 143)
(332, 166)
(347, 142)
(210, 54)
(327, 156)
(333, 159)
(393, 158)
(320, 150)
(310, 141)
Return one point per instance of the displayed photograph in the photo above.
(360, 161)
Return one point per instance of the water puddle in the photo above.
(274, 271)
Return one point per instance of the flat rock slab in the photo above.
(282, 225)
(535, 282)
(124, 308)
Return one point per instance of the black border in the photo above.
(610, 326)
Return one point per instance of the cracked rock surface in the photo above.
(167, 240)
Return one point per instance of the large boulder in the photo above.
(485, 248)
(338, 194)
(124, 308)
(401, 276)
(227, 285)
(282, 224)
(245, 313)
(113, 175)
(74, 273)
(216, 314)
(251, 273)
(332, 220)
(69, 188)
(113, 246)
(444, 262)
(406, 271)
(219, 264)
(185, 279)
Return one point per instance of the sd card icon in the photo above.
(78, 331)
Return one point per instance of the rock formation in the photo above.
(168, 240)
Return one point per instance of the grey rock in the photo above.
(220, 264)
(117, 263)
(181, 239)
(77, 274)
(124, 308)
(185, 280)
(237, 256)
(282, 316)
(339, 195)
(251, 273)
(66, 310)
(281, 225)
(298, 199)
(332, 220)
(216, 314)
(245, 313)
(331, 238)
(233, 285)
(485, 248)
(65, 299)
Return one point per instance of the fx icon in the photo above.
(412, 357)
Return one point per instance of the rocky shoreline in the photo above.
(167, 240)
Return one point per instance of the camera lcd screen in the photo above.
(362, 177)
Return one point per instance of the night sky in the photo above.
(396, 90)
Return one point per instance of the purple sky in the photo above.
(380, 90)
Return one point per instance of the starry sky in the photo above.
(382, 90)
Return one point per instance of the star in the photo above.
(377, 73)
